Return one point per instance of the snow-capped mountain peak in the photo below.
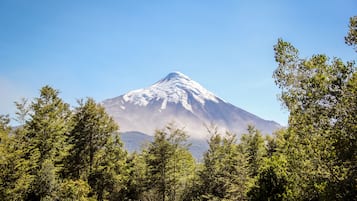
(175, 76)
(174, 88)
(177, 98)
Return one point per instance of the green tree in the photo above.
(110, 171)
(224, 175)
(270, 185)
(91, 131)
(49, 125)
(16, 164)
(182, 171)
(5, 157)
(351, 38)
(74, 190)
(253, 145)
(136, 183)
(271, 145)
(345, 143)
(272, 180)
(44, 136)
(23, 110)
(169, 164)
(314, 92)
(15, 177)
(97, 154)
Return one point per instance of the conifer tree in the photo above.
(110, 171)
(272, 180)
(97, 154)
(136, 183)
(169, 163)
(74, 190)
(351, 38)
(16, 176)
(49, 125)
(5, 157)
(224, 175)
(253, 146)
(91, 131)
(45, 135)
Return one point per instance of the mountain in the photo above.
(177, 98)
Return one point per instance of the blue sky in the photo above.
(102, 49)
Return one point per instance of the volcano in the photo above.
(179, 99)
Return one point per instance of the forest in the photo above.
(65, 153)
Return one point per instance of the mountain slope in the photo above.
(177, 98)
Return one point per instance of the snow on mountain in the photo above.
(177, 98)
(174, 88)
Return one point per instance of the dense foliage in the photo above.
(60, 153)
